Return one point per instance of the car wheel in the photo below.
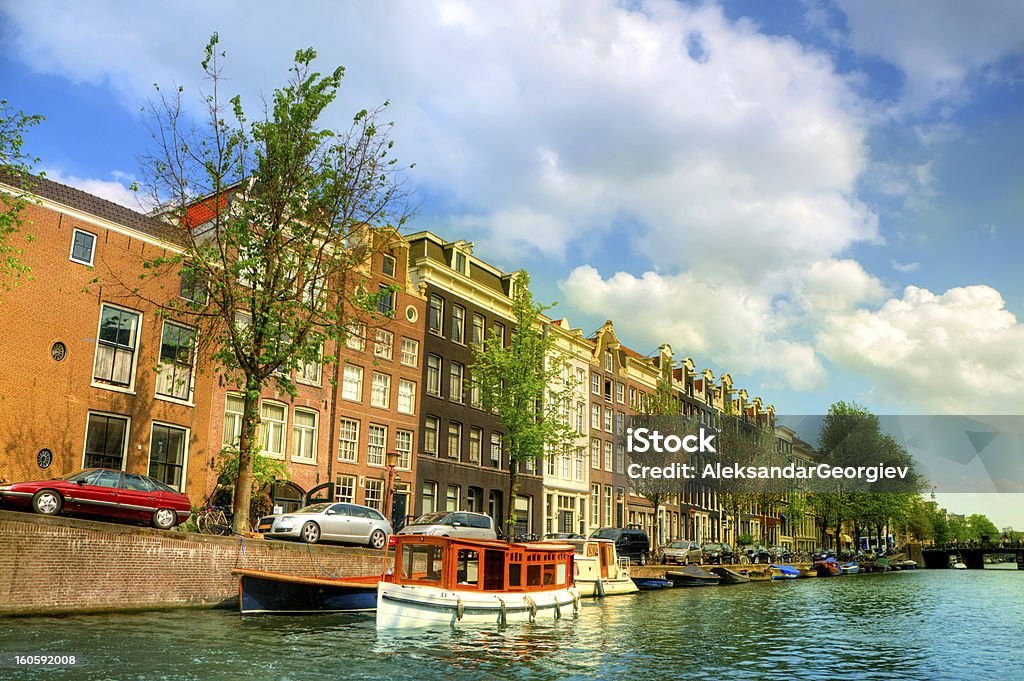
(378, 539)
(311, 533)
(686, 561)
(643, 559)
(47, 502)
(164, 519)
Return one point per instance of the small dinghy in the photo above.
(692, 576)
(850, 568)
(651, 583)
(784, 572)
(730, 576)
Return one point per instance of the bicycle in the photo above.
(213, 520)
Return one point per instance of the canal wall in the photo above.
(64, 565)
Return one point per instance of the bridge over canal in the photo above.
(971, 555)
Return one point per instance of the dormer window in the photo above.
(608, 360)
(388, 267)
(461, 264)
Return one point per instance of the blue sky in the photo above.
(823, 198)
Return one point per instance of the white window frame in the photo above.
(299, 432)
(268, 427)
(384, 344)
(455, 432)
(160, 380)
(99, 383)
(377, 502)
(456, 382)
(348, 440)
(356, 337)
(186, 438)
(92, 248)
(403, 447)
(345, 482)
(346, 382)
(410, 356)
(406, 396)
(433, 387)
(233, 417)
(376, 444)
(478, 440)
(380, 390)
(431, 425)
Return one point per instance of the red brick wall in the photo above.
(62, 565)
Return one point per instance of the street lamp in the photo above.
(390, 461)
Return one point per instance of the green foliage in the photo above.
(747, 444)
(522, 384)
(290, 214)
(744, 539)
(13, 125)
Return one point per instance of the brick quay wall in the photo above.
(63, 565)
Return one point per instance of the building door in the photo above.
(565, 523)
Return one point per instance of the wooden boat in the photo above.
(261, 592)
(692, 576)
(651, 583)
(454, 582)
(807, 572)
(729, 576)
(850, 568)
(597, 569)
(756, 574)
(784, 572)
(827, 568)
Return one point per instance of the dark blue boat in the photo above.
(272, 592)
(651, 583)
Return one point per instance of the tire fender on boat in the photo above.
(575, 601)
(502, 615)
(460, 608)
(558, 609)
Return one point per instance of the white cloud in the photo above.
(547, 125)
(905, 267)
(958, 352)
(111, 190)
(938, 45)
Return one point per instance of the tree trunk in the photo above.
(513, 487)
(247, 445)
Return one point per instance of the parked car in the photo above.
(325, 521)
(629, 543)
(563, 535)
(780, 554)
(718, 552)
(756, 553)
(103, 493)
(453, 524)
(682, 553)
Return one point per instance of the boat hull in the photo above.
(692, 579)
(651, 583)
(409, 606)
(271, 593)
(780, 572)
(730, 576)
(612, 587)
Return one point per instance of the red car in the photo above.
(103, 492)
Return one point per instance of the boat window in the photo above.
(467, 569)
(494, 570)
(549, 574)
(560, 574)
(515, 574)
(533, 575)
(591, 549)
(421, 562)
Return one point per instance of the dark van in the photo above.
(629, 543)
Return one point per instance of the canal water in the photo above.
(941, 624)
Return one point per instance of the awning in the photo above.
(846, 538)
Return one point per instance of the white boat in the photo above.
(597, 569)
(444, 581)
(958, 566)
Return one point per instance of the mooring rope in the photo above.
(317, 563)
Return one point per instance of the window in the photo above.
(309, 371)
(352, 383)
(595, 505)
(174, 372)
(105, 441)
(607, 391)
(406, 397)
(272, 423)
(234, 407)
(356, 339)
(380, 390)
(581, 379)
(386, 297)
(620, 393)
(564, 467)
(388, 265)
(304, 435)
(608, 505)
(454, 440)
(608, 420)
(620, 458)
(595, 416)
(619, 423)
(458, 324)
(431, 432)
(498, 331)
(460, 263)
(433, 375)
(476, 399)
(451, 499)
(595, 453)
(345, 489)
(348, 441)
(374, 497)
(429, 496)
(455, 382)
(496, 449)
(115, 346)
(83, 245)
(477, 337)
(579, 463)
(167, 448)
(410, 352)
(595, 384)
(383, 346)
(608, 456)
(608, 364)
(476, 436)
(403, 446)
(377, 437)
(435, 314)
(581, 410)
(193, 287)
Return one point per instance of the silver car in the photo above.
(683, 553)
(453, 524)
(325, 521)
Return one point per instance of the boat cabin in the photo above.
(480, 564)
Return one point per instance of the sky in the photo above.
(822, 198)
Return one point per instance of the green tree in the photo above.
(745, 444)
(17, 166)
(981, 528)
(277, 218)
(522, 383)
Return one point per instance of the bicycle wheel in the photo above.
(201, 523)
(219, 524)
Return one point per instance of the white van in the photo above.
(453, 524)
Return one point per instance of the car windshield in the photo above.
(678, 545)
(82, 475)
(314, 508)
(431, 518)
(607, 533)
